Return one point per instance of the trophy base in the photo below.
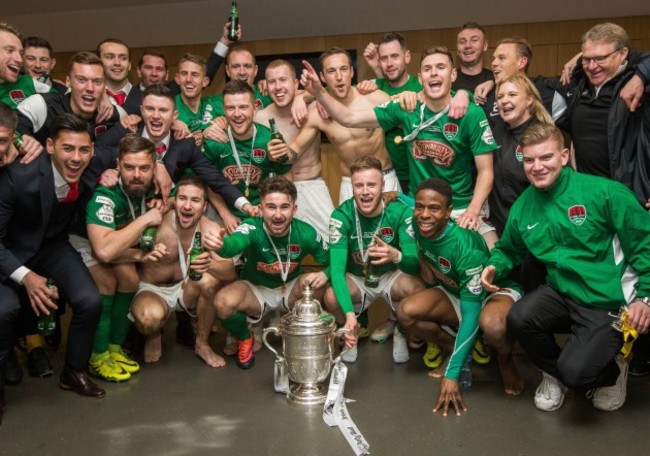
(307, 394)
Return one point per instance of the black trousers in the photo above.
(62, 263)
(587, 359)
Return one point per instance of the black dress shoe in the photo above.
(185, 334)
(80, 383)
(13, 372)
(639, 367)
(38, 364)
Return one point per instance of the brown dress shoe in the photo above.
(80, 383)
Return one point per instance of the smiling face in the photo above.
(507, 61)
(152, 71)
(136, 171)
(158, 113)
(278, 210)
(38, 61)
(11, 59)
(431, 213)
(6, 138)
(87, 86)
(239, 111)
(470, 46)
(436, 76)
(241, 66)
(337, 74)
(189, 205)
(543, 162)
(367, 188)
(282, 85)
(192, 79)
(71, 152)
(514, 104)
(601, 59)
(115, 58)
(393, 60)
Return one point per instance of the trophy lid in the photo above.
(308, 316)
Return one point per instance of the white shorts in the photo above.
(270, 299)
(82, 245)
(172, 295)
(485, 226)
(455, 302)
(370, 295)
(314, 204)
(391, 184)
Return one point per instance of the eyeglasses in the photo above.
(597, 60)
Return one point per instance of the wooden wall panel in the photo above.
(553, 44)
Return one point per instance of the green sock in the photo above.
(363, 319)
(102, 333)
(120, 323)
(94, 357)
(237, 326)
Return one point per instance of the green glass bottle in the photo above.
(47, 323)
(18, 139)
(234, 23)
(275, 134)
(197, 249)
(371, 272)
(148, 238)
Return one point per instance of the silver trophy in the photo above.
(308, 337)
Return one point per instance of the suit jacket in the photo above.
(180, 155)
(27, 202)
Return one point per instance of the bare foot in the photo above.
(439, 371)
(206, 353)
(153, 348)
(513, 382)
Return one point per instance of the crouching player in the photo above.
(272, 278)
(449, 313)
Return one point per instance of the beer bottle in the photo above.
(275, 134)
(372, 272)
(197, 249)
(47, 323)
(234, 23)
(18, 139)
(148, 238)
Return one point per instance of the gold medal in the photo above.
(283, 288)
(398, 140)
(247, 192)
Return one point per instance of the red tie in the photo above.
(119, 97)
(161, 149)
(73, 193)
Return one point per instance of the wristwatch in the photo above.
(645, 300)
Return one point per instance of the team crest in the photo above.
(294, 251)
(258, 104)
(487, 136)
(259, 155)
(100, 129)
(444, 264)
(578, 214)
(519, 154)
(386, 233)
(17, 96)
(450, 131)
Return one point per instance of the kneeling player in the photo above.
(448, 314)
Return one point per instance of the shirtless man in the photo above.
(164, 285)
(314, 201)
(350, 143)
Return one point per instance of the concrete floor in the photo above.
(181, 407)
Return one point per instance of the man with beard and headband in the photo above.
(448, 313)
(272, 278)
(165, 285)
(337, 73)
(244, 159)
(439, 145)
(314, 201)
(367, 232)
(86, 81)
(116, 218)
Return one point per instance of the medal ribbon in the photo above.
(284, 273)
(182, 258)
(235, 154)
(424, 124)
(364, 253)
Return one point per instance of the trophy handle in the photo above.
(338, 334)
(267, 331)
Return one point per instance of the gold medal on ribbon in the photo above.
(283, 288)
(247, 192)
(398, 139)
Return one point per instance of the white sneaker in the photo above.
(610, 398)
(383, 332)
(550, 394)
(350, 356)
(400, 347)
